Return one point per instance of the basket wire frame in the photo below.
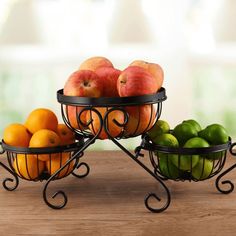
(153, 103)
(89, 133)
(64, 169)
(217, 166)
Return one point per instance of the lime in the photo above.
(214, 134)
(215, 155)
(184, 132)
(193, 123)
(203, 169)
(159, 128)
(168, 140)
(167, 168)
(186, 162)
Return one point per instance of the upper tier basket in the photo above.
(111, 117)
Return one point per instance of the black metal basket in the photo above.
(193, 164)
(111, 117)
(26, 163)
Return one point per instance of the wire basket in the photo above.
(111, 117)
(28, 164)
(193, 164)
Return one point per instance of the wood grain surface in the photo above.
(109, 201)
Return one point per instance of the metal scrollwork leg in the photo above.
(226, 182)
(79, 166)
(61, 193)
(77, 154)
(14, 180)
(135, 158)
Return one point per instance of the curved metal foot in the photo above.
(14, 180)
(151, 195)
(59, 206)
(156, 210)
(79, 167)
(226, 182)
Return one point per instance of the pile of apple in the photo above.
(97, 77)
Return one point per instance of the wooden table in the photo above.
(110, 202)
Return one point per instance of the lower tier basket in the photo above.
(193, 164)
(38, 164)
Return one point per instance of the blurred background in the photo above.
(43, 41)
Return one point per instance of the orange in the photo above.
(65, 134)
(28, 166)
(41, 118)
(45, 138)
(16, 135)
(56, 163)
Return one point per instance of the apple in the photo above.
(73, 117)
(82, 83)
(109, 76)
(141, 118)
(136, 81)
(153, 68)
(93, 63)
(114, 129)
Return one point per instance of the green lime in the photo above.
(186, 162)
(184, 132)
(167, 168)
(193, 123)
(214, 134)
(215, 155)
(167, 140)
(203, 169)
(159, 128)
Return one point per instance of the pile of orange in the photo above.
(41, 130)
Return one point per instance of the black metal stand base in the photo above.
(84, 167)
(153, 174)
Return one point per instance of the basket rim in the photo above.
(47, 150)
(186, 151)
(112, 101)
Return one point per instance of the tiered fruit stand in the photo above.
(86, 138)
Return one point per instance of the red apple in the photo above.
(136, 81)
(114, 129)
(93, 63)
(152, 68)
(109, 77)
(141, 119)
(83, 83)
(73, 117)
